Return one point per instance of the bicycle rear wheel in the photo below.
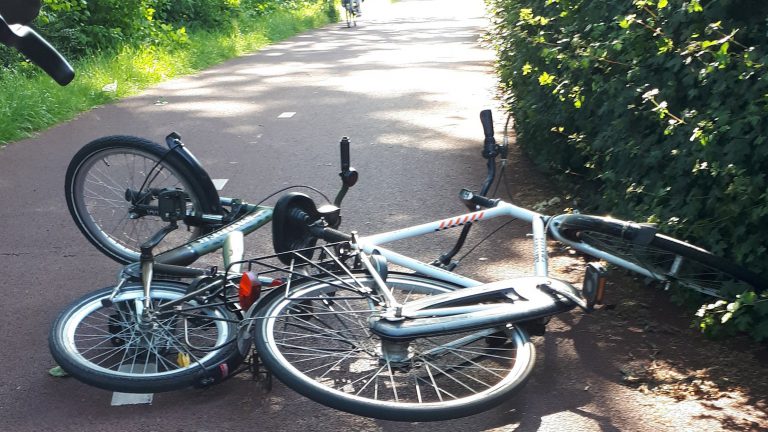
(111, 179)
(672, 261)
(318, 343)
(111, 347)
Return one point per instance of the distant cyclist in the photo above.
(354, 4)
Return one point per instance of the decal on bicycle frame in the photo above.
(459, 221)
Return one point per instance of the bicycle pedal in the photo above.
(593, 287)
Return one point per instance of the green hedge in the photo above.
(657, 110)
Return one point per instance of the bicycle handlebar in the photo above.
(316, 230)
(329, 234)
(36, 49)
(468, 196)
(490, 149)
(471, 200)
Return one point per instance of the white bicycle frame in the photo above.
(539, 295)
(538, 287)
(372, 243)
(466, 308)
(541, 224)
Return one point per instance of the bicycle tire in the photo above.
(694, 268)
(345, 368)
(96, 183)
(104, 346)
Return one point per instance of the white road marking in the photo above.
(119, 399)
(219, 183)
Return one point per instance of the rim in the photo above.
(676, 269)
(454, 376)
(108, 342)
(99, 197)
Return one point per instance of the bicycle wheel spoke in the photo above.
(329, 345)
(98, 180)
(130, 347)
(328, 336)
(671, 267)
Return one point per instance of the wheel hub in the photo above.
(397, 353)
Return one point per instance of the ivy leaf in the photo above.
(748, 297)
(546, 79)
(527, 68)
(625, 23)
(695, 6)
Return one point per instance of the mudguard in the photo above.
(179, 154)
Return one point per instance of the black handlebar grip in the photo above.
(322, 232)
(471, 199)
(331, 235)
(344, 145)
(490, 149)
(37, 50)
(486, 118)
(484, 202)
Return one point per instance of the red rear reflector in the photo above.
(250, 289)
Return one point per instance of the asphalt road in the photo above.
(406, 85)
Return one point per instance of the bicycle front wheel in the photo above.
(672, 261)
(318, 343)
(119, 348)
(109, 193)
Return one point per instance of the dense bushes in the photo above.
(659, 109)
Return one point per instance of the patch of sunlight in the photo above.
(574, 420)
(183, 88)
(214, 108)
(283, 69)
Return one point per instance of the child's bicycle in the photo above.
(165, 324)
(338, 325)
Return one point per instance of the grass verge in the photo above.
(30, 101)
